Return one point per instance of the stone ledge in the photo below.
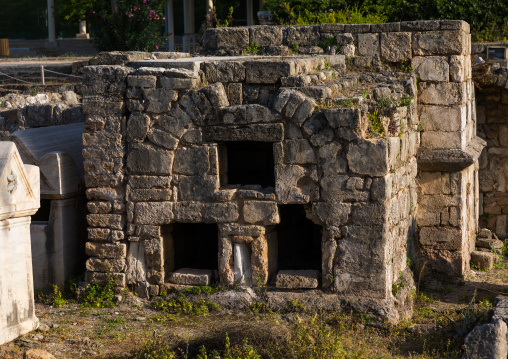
(450, 160)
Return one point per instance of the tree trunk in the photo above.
(114, 6)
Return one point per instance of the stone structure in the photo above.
(58, 229)
(19, 198)
(492, 102)
(260, 170)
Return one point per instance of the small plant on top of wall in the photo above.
(252, 49)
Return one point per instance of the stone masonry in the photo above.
(343, 136)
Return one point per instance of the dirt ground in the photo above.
(73, 331)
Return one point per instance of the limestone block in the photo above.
(439, 43)
(298, 152)
(118, 279)
(451, 93)
(153, 213)
(268, 72)
(147, 182)
(302, 35)
(220, 212)
(266, 35)
(235, 94)
(303, 111)
(487, 341)
(441, 118)
(193, 188)
(175, 83)
(356, 28)
(396, 46)
(458, 68)
(114, 221)
(345, 121)
(216, 95)
(224, 71)
(431, 68)
(136, 263)
(106, 250)
(259, 212)
(297, 279)
(159, 100)
(145, 159)
(483, 260)
(443, 140)
(106, 265)
(174, 125)
(332, 213)
(191, 161)
(441, 238)
(368, 44)
(226, 38)
(368, 157)
(256, 132)
(163, 139)
(137, 127)
(188, 276)
(146, 195)
(294, 101)
(296, 184)
(142, 81)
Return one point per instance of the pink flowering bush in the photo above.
(137, 26)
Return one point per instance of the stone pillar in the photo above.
(188, 37)
(209, 7)
(82, 31)
(170, 26)
(448, 159)
(19, 199)
(250, 13)
(51, 21)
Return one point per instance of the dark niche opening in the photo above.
(196, 245)
(247, 163)
(299, 239)
(42, 214)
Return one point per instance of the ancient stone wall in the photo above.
(492, 104)
(167, 142)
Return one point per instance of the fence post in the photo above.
(42, 75)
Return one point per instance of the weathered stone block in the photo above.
(193, 188)
(441, 238)
(443, 93)
(175, 83)
(368, 157)
(188, 276)
(149, 182)
(226, 38)
(297, 279)
(443, 140)
(268, 72)
(266, 35)
(106, 250)
(483, 260)
(145, 195)
(302, 35)
(332, 213)
(216, 95)
(114, 221)
(224, 71)
(396, 46)
(153, 213)
(191, 161)
(163, 139)
(137, 127)
(296, 184)
(159, 100)
(441, 118)
(431, 68)
(487, 341)
(439, 43)
(105, 265)
(258, 212)
(368, 45)
(257, 132)
(145, 159)
(142, 81)
(220, 212)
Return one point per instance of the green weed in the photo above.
(375, 122)
(405, 66)
(182, 305)
(55, 298)
(98, 296)
(252, 49)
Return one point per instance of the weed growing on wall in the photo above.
(252, 49)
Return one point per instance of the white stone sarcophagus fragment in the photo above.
(56, 229)
(19, 199)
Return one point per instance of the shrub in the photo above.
(137, 26)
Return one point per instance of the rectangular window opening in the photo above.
(247, 163)
(43, 213)
(298, 240)
(191, 252)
